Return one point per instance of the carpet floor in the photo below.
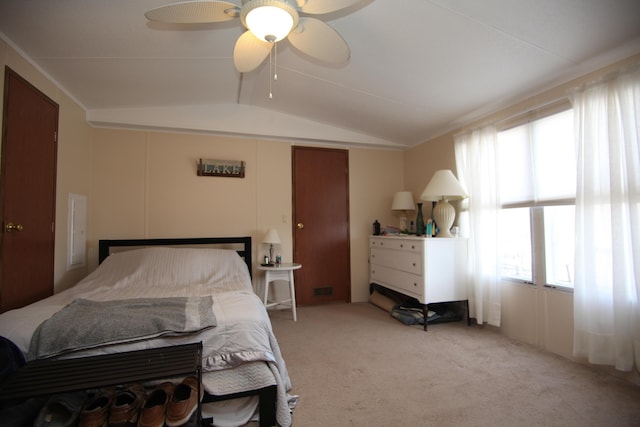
(355, 365)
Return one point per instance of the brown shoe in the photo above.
(183, 402)
(152, 413)
(125, 408)
(96, 410)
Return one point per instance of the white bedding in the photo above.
(243, 332)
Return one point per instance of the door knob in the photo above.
(300, 226)
(10, 227)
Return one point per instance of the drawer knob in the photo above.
(415, 284)
(414, 264)
(401, 245)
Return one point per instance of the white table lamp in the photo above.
(403, 202)
(272, 238)
(443, 187)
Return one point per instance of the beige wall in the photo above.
(74, 156)
(422, 161)
(145, 185)
(374, 177)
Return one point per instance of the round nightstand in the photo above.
(283, 272)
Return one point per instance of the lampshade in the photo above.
(403, 201)
(443, 187)
(272, 237)
(269, 20)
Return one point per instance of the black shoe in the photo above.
(61, 410)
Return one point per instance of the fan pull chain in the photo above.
(273, 67)
(275, 61)
(270, 67)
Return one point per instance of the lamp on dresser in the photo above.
(443, 187)
(403, 202)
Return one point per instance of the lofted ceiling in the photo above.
(417, 69)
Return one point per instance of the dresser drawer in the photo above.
(406, 283)
(398, 244)
(410, 262)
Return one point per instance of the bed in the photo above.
(209, 282)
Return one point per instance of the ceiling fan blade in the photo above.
(194, 12)
(249, 52)
(319, 40)
(317, 7)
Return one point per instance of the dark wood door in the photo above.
(321, 225)
(27, 193)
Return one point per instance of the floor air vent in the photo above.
(317, 292)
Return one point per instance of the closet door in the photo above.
(321, 225)
(27, 193)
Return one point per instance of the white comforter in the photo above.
(243, 332)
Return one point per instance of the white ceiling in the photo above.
(418, 67)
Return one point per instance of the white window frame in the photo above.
(538, 255)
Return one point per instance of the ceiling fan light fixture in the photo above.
(269, 20)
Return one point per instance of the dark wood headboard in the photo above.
(242, 245)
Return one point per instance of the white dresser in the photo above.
(430, 270)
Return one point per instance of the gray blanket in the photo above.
(87, 324)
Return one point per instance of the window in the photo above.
(515, 243)
(537, 175)
(559, 244)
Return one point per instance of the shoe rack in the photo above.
(44, 376)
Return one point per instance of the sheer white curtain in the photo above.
(607, 259)
(476, 161)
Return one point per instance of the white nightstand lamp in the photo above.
(403, 202)
(443, 187)
(271, 238)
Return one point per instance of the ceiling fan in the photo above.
(267, 22)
